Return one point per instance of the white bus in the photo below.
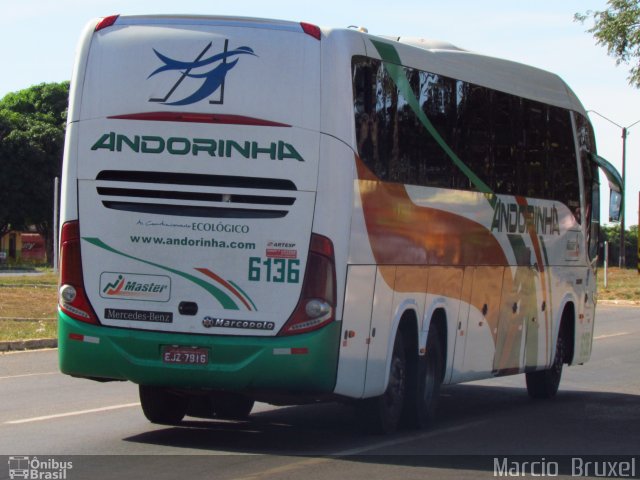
(267, 210)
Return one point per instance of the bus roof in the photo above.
(433, 56)
(504, 75)
(209, 20)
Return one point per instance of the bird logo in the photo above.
(210, 73)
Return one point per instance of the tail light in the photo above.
(71, 296)
(106, 22)
(312, 30)
(317, 304)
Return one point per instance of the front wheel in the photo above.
(544, 383)
(162, 406)
(384, 413)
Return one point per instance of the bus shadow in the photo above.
(473, 420)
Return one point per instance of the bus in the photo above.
(263, 210)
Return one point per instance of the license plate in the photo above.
(185, 355)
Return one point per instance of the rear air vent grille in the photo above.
(198, 196)
(194, 195)
(172, 178)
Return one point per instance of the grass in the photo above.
(622, 284)
(45, 277)
(12, 330)
(28, 306)
(32, 299)
(28, 301)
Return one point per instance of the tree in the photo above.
(611, 234)
(32, 128)
(618, 29)
(631, 247)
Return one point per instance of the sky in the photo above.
(38, 40)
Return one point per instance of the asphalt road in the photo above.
(597, 412)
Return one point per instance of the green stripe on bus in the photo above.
(393, 65)
(244, 293)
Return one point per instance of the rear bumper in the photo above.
(235, 363)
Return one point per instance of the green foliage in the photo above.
(618, 29)
(32, 128)
(611, 234)
(47, 102)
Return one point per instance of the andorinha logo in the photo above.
(131, 286)
(155, 144)
(206, 74)
(516, 218)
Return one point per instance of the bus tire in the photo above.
(544, 383)
(231, 406)
(429, 379)
(383, 414)
(162, 406)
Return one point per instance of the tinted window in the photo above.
(516, 146)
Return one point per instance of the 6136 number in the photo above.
(278, 270)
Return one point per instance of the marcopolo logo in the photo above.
(209, 322)
(133, 286)
(206, 74)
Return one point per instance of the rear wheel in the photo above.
(429, 379)
(545, 383)
(384, 413)
(162, 406)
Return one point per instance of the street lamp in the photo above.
(625, 130)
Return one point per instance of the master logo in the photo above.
(132, 286)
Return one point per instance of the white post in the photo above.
(56, 184)
(606, 262)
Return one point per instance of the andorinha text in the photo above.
(152, 144)
(515, 218)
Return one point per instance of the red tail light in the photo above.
(71, 296)
(106, 22)
(317, 304)
(312, 30)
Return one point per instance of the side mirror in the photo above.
(615, 204)
(615, 183)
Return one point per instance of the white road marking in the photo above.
(406, 439)
(316, 462)
(28, 375)
(19, 352)
(71, 414)
(611, 335)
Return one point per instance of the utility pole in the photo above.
(625, 131)
(623, 262)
